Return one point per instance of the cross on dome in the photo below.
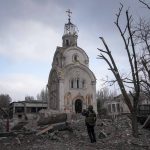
(70, 32)
(69, 14)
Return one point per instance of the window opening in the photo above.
(67, 42)
(71, 83)
(118, 108)
(76, 58)
(113, 107)
(77, 83)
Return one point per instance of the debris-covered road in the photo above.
(111, 135)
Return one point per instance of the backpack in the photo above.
(91, 118)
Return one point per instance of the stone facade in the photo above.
(71, 84)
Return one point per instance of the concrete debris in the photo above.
(18, 141)
(111, 134)
(102, 135)
(19, 125)
(53, 136)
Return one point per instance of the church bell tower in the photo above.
(70, 33)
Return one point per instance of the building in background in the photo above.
(118, 106)
(25, 110)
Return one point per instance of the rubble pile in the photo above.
(112, 134)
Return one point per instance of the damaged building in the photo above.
(26, 110)
(71, 84)
(117, 105)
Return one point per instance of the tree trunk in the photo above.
(134, 124)
(52, 119)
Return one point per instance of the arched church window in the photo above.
(77, 83)
(67, 42)
(75, 58)
(72, 83)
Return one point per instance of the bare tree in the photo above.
(127, 36)
(103, 95)
(29, 98)
(43, 95)
(144, 2)
(142, 38)
(5, 100)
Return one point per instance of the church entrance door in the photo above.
(78, 106)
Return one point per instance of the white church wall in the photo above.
(87, 93)
(70, 54)
(61, 95)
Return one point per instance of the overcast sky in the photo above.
(30, 31)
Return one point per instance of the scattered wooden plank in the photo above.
(45, 130)
(147, 123)
(56, 126)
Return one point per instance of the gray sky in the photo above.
(30, 31)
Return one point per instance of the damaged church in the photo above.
(71, 84)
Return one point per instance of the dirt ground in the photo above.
(111, 135)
